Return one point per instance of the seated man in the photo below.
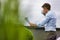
(49, 22)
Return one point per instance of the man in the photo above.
(49, 22)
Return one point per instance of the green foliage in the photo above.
(11, 28)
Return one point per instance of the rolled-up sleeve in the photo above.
(42, 23)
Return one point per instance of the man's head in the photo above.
(46, 7)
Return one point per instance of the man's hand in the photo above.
(33, 25)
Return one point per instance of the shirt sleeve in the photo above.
(42, 23)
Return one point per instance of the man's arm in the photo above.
(41, 23)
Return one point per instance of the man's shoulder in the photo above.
(51, 14)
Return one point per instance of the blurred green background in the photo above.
(11, 27)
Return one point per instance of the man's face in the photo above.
(45, 10)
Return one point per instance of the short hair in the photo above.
(47, 5)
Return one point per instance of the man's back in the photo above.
(51, 24)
